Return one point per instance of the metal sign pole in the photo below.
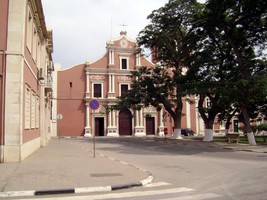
(94, 135)
(94, 105)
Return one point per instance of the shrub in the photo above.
(262, 127)
(255, 128)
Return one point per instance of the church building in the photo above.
(85, 91)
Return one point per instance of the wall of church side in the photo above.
(70, 101)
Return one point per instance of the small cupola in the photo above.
(123, 32)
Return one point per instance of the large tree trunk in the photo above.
(247, 126)
(208, 137)
(227, 126)
(208, 120)
(245, 75)
(177, 127)
(177, 118)
(228, 121)
(177, 134)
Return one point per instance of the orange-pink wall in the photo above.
(31, 81)
(3, 22)
(30, 75)
(3, 43)
(70, 101)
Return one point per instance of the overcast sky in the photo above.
(81, 28)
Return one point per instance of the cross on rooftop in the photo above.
(123, 25)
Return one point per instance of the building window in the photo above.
(124, 88)
(124, 63)
(29, 29)
(37, 113)
(33, 109)
(27, 108)
(38, 56)
(97, 90)
(34, 44)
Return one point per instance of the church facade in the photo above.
(103, 81)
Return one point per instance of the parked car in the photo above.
(187, 132)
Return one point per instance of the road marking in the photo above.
(197, 197)
(157, 184)
(17, 193)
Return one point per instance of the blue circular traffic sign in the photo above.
(94, 104)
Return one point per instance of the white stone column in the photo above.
(141, 118)
(110, 118)
(113, 118)
(188, 114)
(139, 128)
(111, 86)
(110, 57)
(161, 118)
(138, 60)
(87, 128)
(87, 93)
(112, 129)
(137, 117)
(109, 83)
(161, 124)
(87, 85)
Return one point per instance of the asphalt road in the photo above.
(184, 171)
(231, 174)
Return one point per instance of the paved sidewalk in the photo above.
(68, 166)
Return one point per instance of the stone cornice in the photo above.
(108, 71)
(122, 49)
(39, 18)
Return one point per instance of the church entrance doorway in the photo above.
(125, 122)
(99, 126)
(150, 126)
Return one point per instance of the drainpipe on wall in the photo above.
(2, 109)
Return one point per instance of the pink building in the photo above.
(25, 79)
(104, 80)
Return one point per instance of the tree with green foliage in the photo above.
(243, 26)
(211, 73)
(163, 85)
(220, 44)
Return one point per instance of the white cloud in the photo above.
(82, 27)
